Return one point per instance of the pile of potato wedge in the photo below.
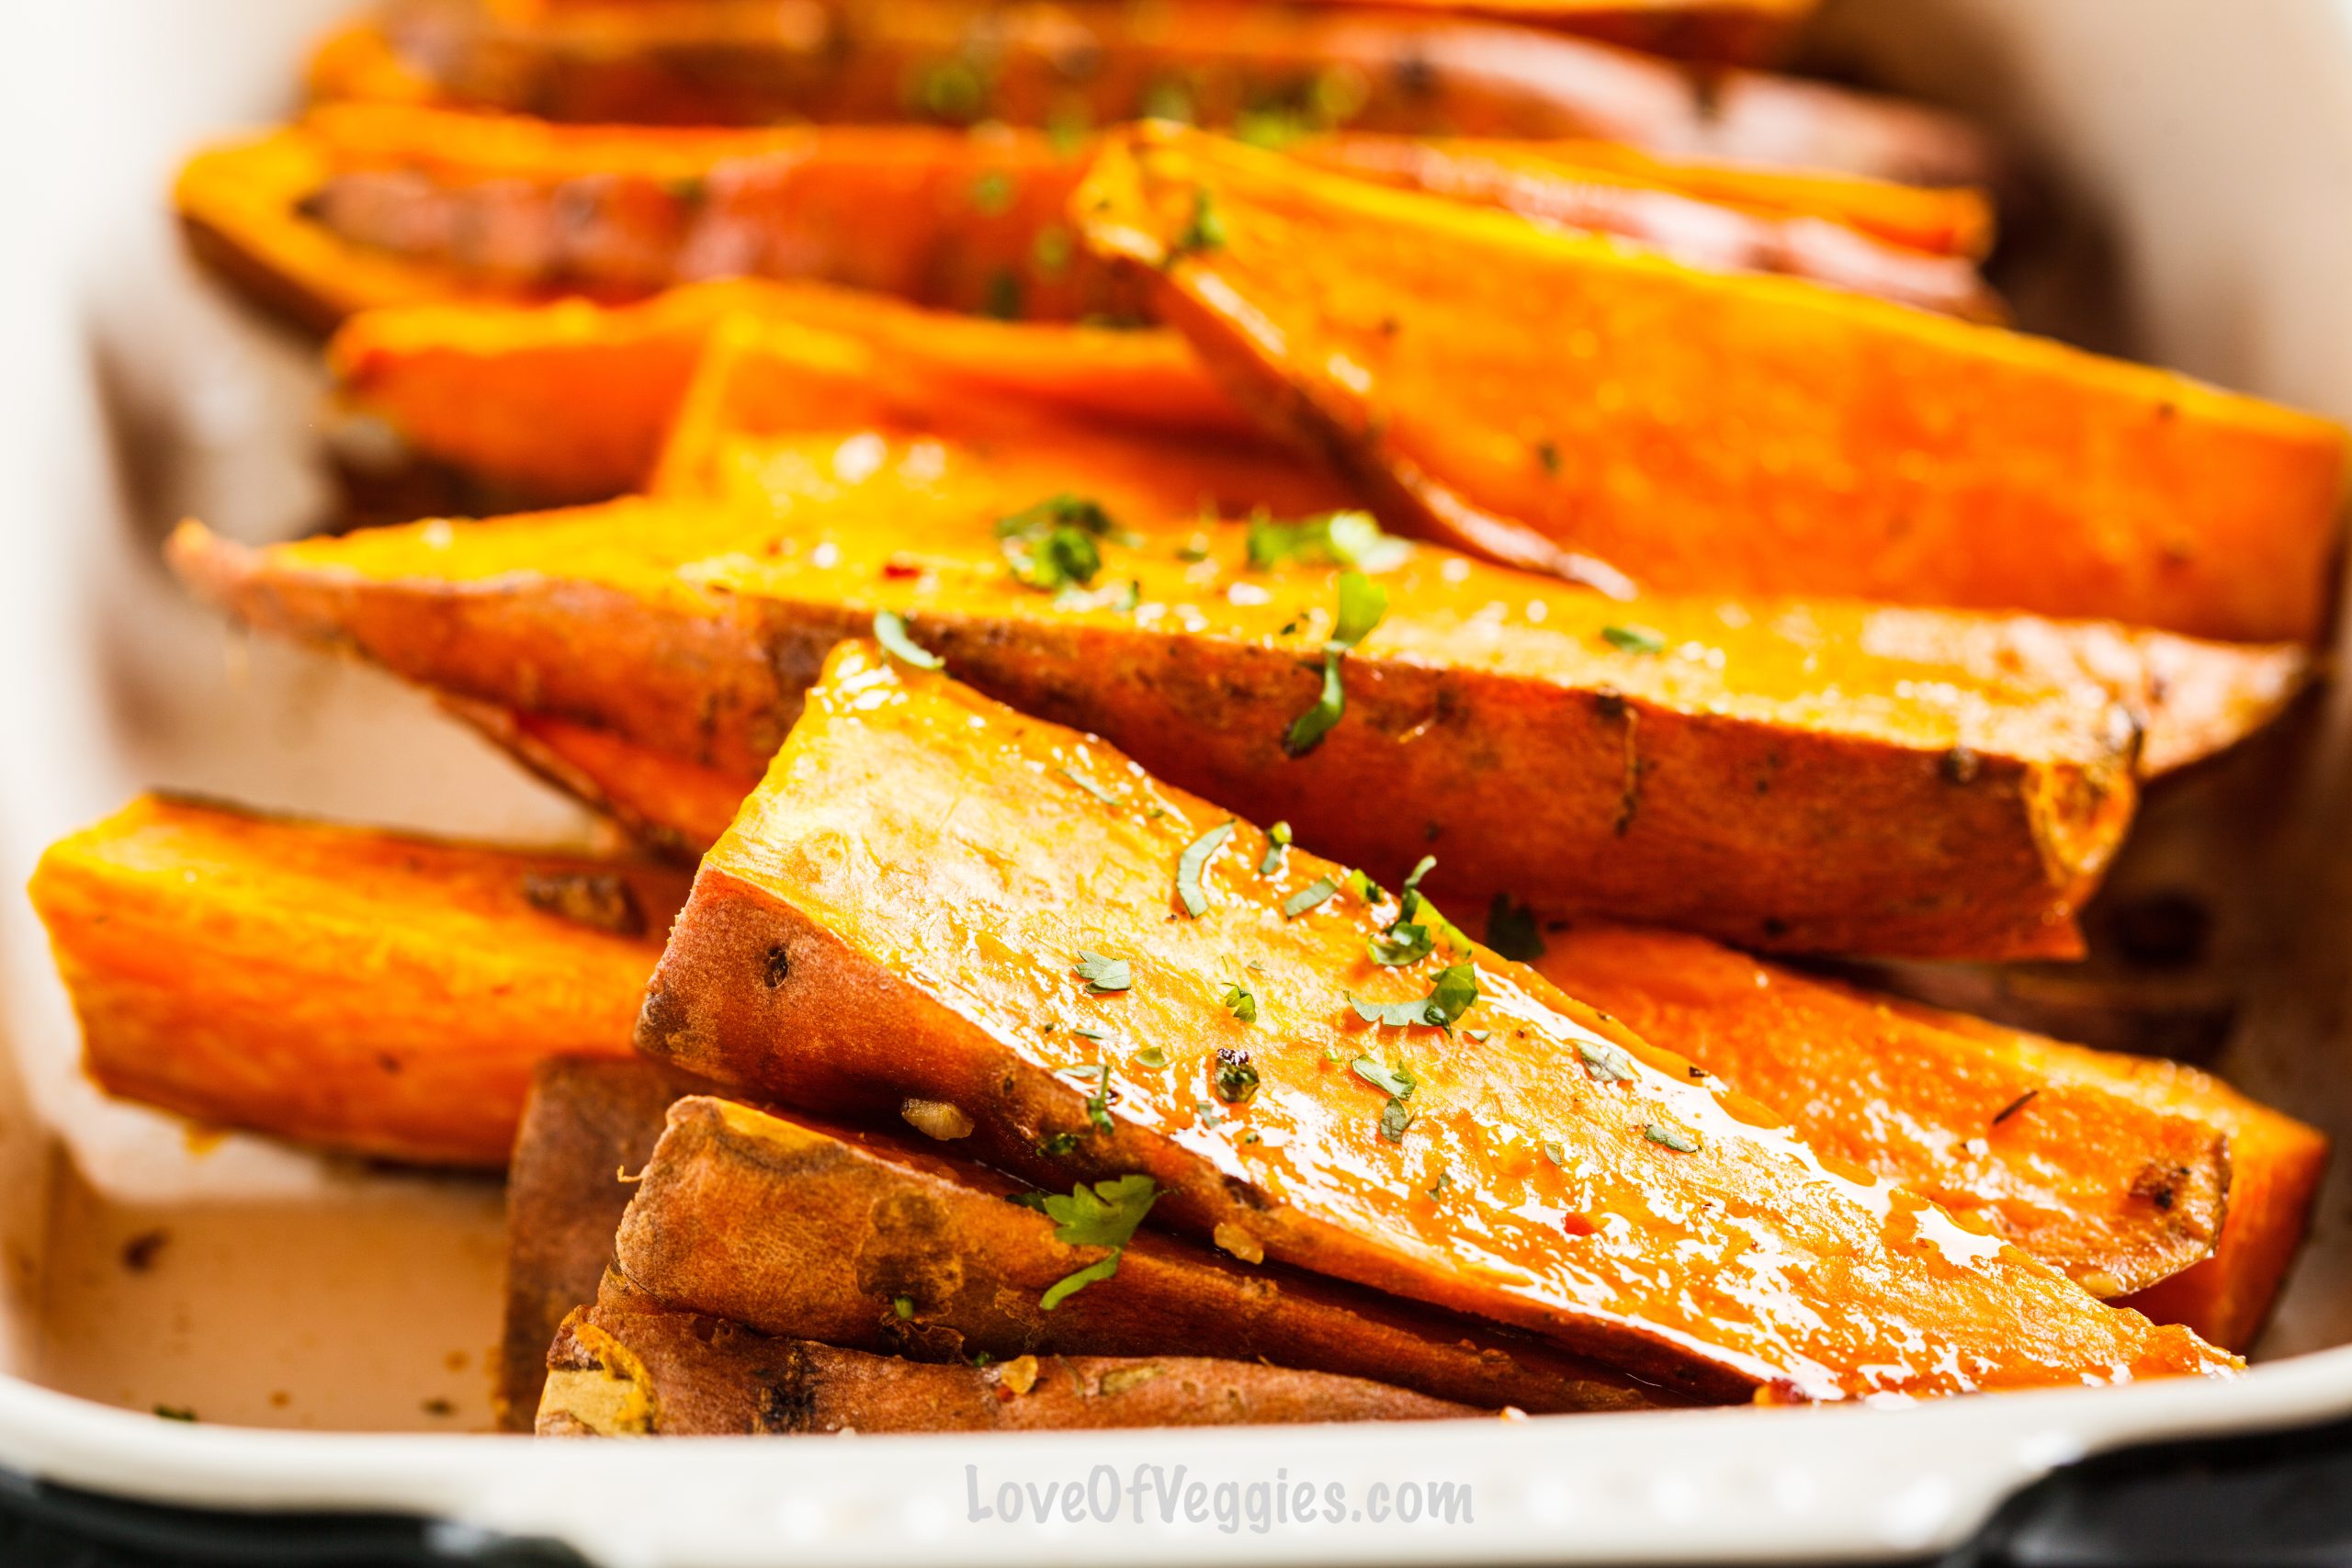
(1251, 651)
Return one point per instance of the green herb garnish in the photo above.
(1056, 543)
(1101, 975)
(1361, 604)
(1396, 1082)
(1058, 1145)
(1241, 1003)
(904, 1306)
(1192, 861)
(1337, 538)
(1104, 1214)
(1634, 639)
(1513, 930)
(1320, 891)
(1674, 1138)
(1277, 849)
(1455, 990)
(1237, 1080)
(1206, 230)
(1607, 1063)
(1152, 1056)
(890, 631)
(1090, 787)
(1394, 1120)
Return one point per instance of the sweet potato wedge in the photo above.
(1774, 229)
(1824, 777)
(1739, 32)
(886, 927)
(1714, 433)
(629, 1368)
(2114, 1193)
(1257, 68)
(570, 402)
(368, 205)
(381, 995)
(589, 1120)
(811, 1232)
(2275, 1163)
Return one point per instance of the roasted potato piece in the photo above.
(1824, 777)
(378, 993)
(1464, 1135)
(626, 1368)
(1267, 71)
(1548, 400)
(812, 1232)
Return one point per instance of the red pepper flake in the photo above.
(1577, 1225)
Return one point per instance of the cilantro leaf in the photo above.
(1674, 1138)
(1607, 1063)
(1277, 849)
(1194, 860)
(1307, 731)
(1395, 1120)
(1398, 1083)
(1055, 544)
(1090, 787)
(1401, 946)
(1449, 999)
(1105, 1214)
(1101, 975)
(1242, 1003)
(1362, 602)
(1206, 231)
(1513, 930)
(890, 631)
(1340, 538)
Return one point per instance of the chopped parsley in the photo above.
(1058, 1145)
(1634, 639)
(1396, 1082)
(1449, 999)
(904, 1306)
(1090, 787)
(890, 631)
(1337, 538)
(1277, 849)
(1413, 934)
(1674, 1138)
(1320, 891)
(1057, 544)
(1152, 1056)
(1192, 861)
(1105, 1214)
(1101, 975)
(1362, 602)
(1237, 1080)
(1098, 1104)
(1606, 1061)
(1206, 230)
(1395, 1120)
(1554, 1153)
(1241, 1003)
(1512, 931)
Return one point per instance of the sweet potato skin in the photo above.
(965, 62)
(811, 1232)
(1862, 449)
(589, 1123)
(335, 986)
(1823, 846)
(816, 974)
(628, 1369)
(2115, 1194)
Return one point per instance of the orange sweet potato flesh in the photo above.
(571, 402)
(1777, 224)
(373, 205)
(628, 1367)
(2275, 1163)
(382, 995)
(1825, 777)
(1736, 32)
(589, 1121)
(2114, 1193)
(812, 1232)
(1709, 433)
(1264, 68)
(886, 921)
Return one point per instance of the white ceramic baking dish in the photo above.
(330, 1323)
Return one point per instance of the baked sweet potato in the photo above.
(2114, 1193)
(1777, 227)
(589, 1121)
(381, 995)
(800, 1230)
(925, 882)
(1260, 69)
(368, 205)
(1826, 777)
(2275, 1163)
(1739, 32)
(570, 402)
(628, 1369)
(1528, 393)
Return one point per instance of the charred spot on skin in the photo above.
(139, 1252)
(789, 1402)
(776, 967)
(1610, 702)
(2160, 1184)
(1416, 76)
(1961, 765)
(598, 900)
